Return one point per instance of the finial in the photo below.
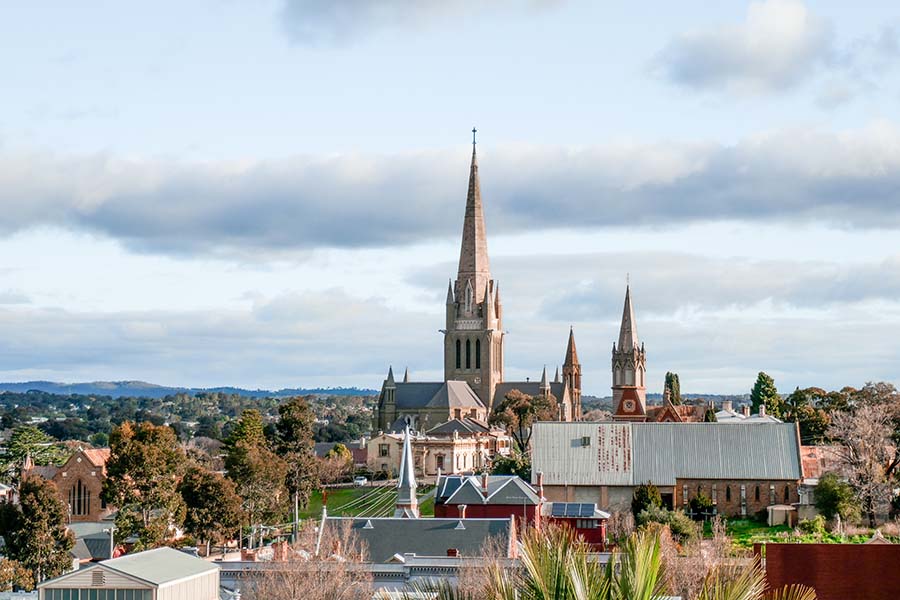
(474, 131)
(627, 278)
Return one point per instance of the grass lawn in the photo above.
(746, 532)
(363, 501)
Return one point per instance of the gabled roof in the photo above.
(425, 537)
(97, 456)
(160, 566)
(626, 454)
(532, 388)
(501, 489)
(449, 394)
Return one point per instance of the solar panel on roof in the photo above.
(558, 509)
(587, 510)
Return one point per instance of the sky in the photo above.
(270, 194)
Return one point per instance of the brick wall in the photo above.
(836, 571)
(87, 506)
(728, 494)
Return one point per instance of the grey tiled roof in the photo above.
(424, 537)
(160, 565)
(501, 489)
(532, 388)
(449, 394)
(463, 426)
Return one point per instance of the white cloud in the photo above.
(844, 179)
(779, 44)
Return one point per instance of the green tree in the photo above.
(36, 535)
(765, 393)
(28, 440)
(514, 464)
(801, 407)
(142, 474)
(645, 495)
(518, 412)
(213, 506)
(13, 574)
(710, 415)
(295, 443)
(258, 473)
(673, 387)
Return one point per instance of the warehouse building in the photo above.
(160, 574)
(742, 468)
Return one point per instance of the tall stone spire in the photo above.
(407, 503)
(628, 335)
(473, 255)
(572, 375)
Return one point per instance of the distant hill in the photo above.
(118, 389)
(605, 402)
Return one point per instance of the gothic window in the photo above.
(727, 493)
(715, 495)
(743, 500)
(458, 354)
(629, 376)
(468, 354)
(477, 354)
(80, 499)
(756, 494)
(771, 494)
(787, 494)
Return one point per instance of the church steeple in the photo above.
(473, 338)
(407, 502)
(629, 368)
(474, 265)
(572, 375)
(628, 335)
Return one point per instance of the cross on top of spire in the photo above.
(474, 131)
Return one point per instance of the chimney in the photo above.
(540, 484)
(762, 410)
(462, 511)
(745, 410)
(454, 552)
(484, 484)
(726, 405)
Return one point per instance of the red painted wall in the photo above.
(836, 571)
(489, 511)
(596, 537)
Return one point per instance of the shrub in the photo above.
(701, 505)
(834, 496)
(682, 527)
(814, 526)
(645, 496)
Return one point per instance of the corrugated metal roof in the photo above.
(558, 450)
(632, 453)
(664, 452)
(161, 565)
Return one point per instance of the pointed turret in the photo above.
(450, 298)
(545, 386)
(571, 351)
(488, 305)
(407, 503)
(628, 335)
(406, 375)
(389, 382)
(473, 255)
(556, 376)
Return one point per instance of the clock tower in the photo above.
(629, 369)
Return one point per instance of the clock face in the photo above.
(628, 405)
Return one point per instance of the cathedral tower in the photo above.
(629, 368)
(572, 376)
(473, 338)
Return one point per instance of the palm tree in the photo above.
(557, 565)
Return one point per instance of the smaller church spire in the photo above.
(628, 335)
(390, 378)
(406, 375)
(450, 298)
(407, 502)
(556, 377)
(544, 385)
(571, 351)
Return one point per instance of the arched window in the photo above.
(470, 297)
(80, 499)
(468, 354)
(727, 493)
(787, 494)
(458, 354)
(756, 494)
(477, 354)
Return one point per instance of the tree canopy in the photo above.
(765, 393)
(518, 412)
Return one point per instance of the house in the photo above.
(79, 482)
(160, 574)
(455, 446)
(742, 468)
(583, 518)
(487, 496)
